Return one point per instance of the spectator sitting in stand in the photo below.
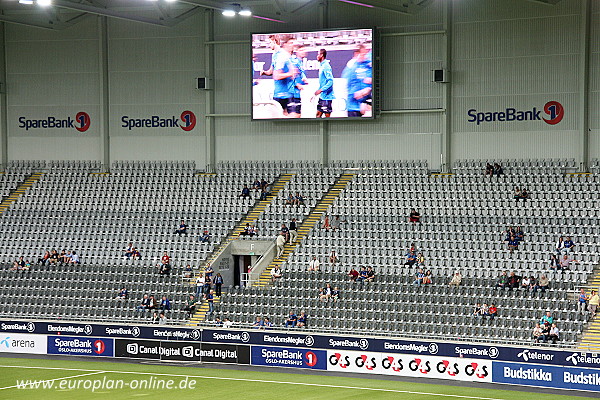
(335, 294)
(476, 311)
(326, 223)
(162, 319)
(554, 334)
(537, 333)
(256, 185)
(525, 283)
(144, 303)
(513, 281)
(290, 200)
(533, 284)
(456, 279)
(333, 258)
(420, 260)
(62, 257)
(314, 264)
(560, 245)
(493, 312)
(267, 324)
(565, 262)
(489, 169)
(205, 238)
(227, 323)
(513, 244)
(153, 303)
(568, 245)
(245, 192)
(165, 264)
(419, 276)
(218, 322)
(246, 230)
(363, 275)
(258, 324)
(414, 216)
(502, 282)
(353, 274)
(129, 250)
(498, 169)
(325, 293)
(554, 262)
(285, 232)
(264, 194)
(182, 229)
(298, 199)
(485, 311)
(264, 184)
(165, 304)
(188, 271)
(428, 278)
(18, 265)
(545, 327)
(302, 320)
(547, 318)
(122, 295)
(291, 320)
(519, 234)
(74, 258)
(209, 271)
(44, 259)
(543, 284)
(370, 274)
(276, 273)
(411, 258)
(190, 305)
(253, 231)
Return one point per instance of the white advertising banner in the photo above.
(454, 368)
(23, 343)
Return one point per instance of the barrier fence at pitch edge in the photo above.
(426, 359)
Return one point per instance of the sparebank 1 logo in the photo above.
(553, 109)
(188, 120)
(556, 112)
(81, 122)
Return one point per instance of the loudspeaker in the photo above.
(440, 75)
(203, 83)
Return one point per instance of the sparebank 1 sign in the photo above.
(81, 122)
(553, 114)
(185, 121)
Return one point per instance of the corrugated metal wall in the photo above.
(595, 83)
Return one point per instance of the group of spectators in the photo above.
(182, 229)
(205, 284)
(423, 278)
(295, 200)
(329, 293)
(588, 302)
(366, 274)
(54, 257)
(286, 235)
(249, 230)
(259, 185)
(484, 311)
(512, 281)
(291, 321)
(149, 303)
(546, 329)
(521, 194)
(331, 223)
(495, 169)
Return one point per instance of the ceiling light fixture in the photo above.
(44, 3)
(244, 12)
(229, 12)
(25, 1)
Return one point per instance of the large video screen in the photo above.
(326, 74)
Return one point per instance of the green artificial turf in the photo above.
(218, 384)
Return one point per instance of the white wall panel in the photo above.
(242, 139)
(159, 148)
(54, 148)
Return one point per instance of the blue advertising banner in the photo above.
(546, 376)
(80, 346)
(288, 357)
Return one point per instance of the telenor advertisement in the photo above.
(325, 74)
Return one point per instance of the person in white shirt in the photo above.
(333, 258)
(314, 264)
(162, 319)
(200, 281)
(554, 334)
(74, 258)
(227, 323)
(280, 244)
(276, 273)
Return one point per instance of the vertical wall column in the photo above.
(209, 71)
(324, 125)
(584, 85)
(104, 99)
(446, 136)
(3, 101)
